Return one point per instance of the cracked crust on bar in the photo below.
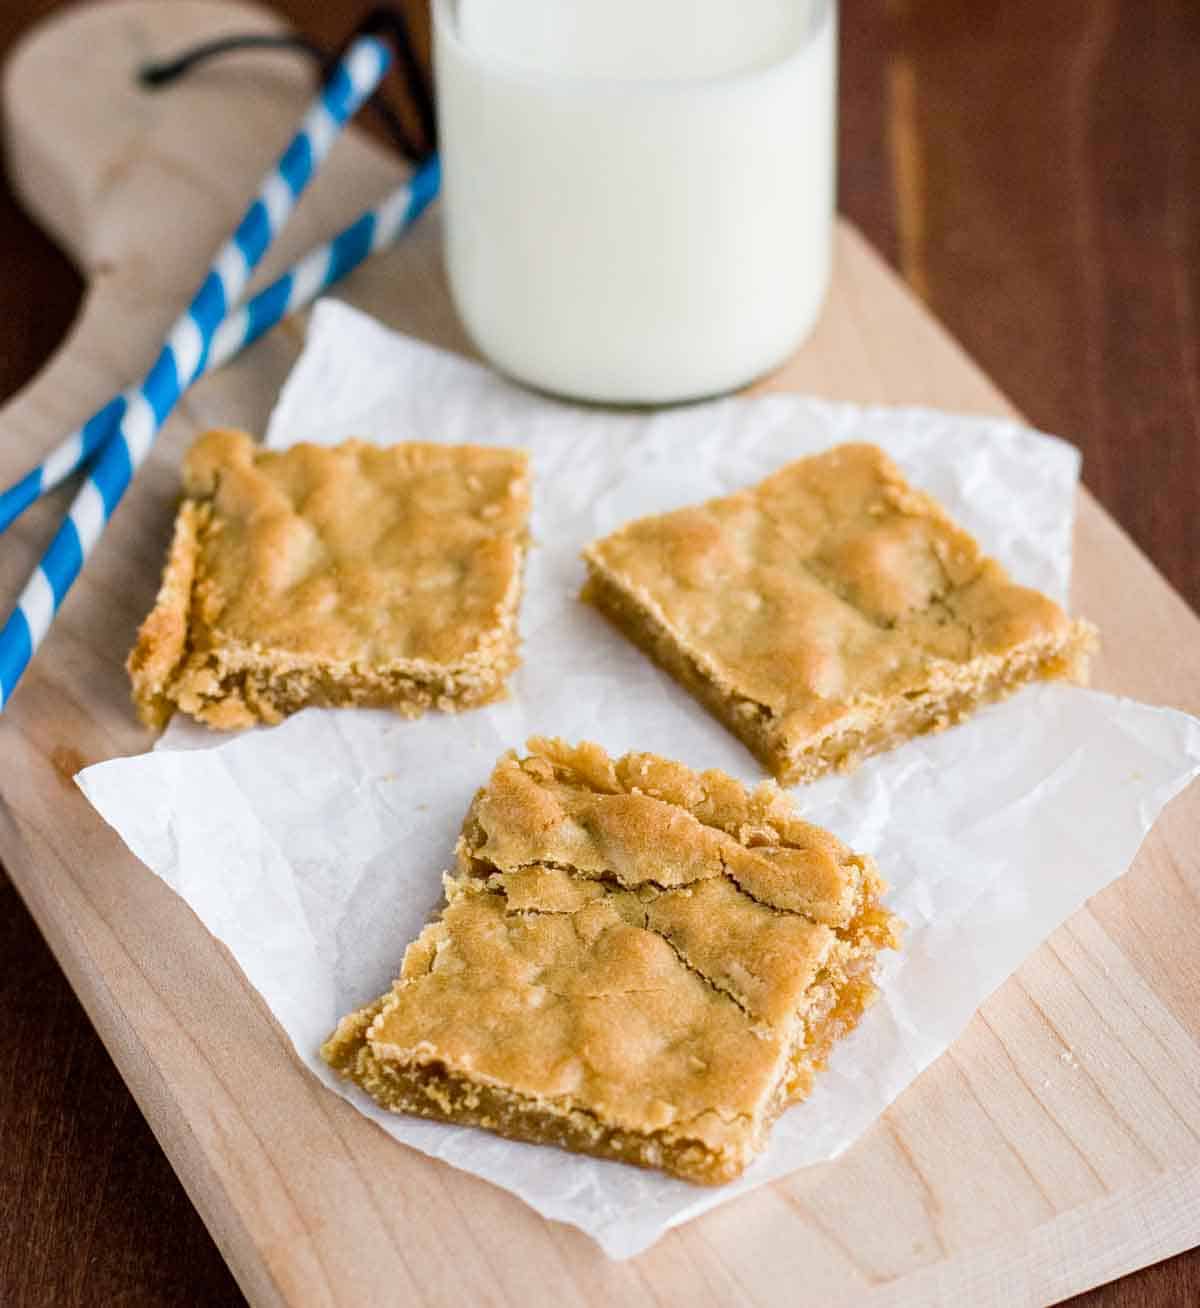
(335, 575)
(635, 961)
(830, 612)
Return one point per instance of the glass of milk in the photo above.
(638, 193)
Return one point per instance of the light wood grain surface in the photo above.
(1008, 1173)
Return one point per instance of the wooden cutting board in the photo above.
(1049, 1150)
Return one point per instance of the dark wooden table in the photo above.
(1033, 170)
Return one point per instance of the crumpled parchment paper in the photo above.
(313, 850)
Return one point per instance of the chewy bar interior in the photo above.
(830, 612)
(335, 575)
(635, 961)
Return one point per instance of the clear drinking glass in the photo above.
(638, 194)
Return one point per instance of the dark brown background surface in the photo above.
(1033, 170)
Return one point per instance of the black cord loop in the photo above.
(384, 21)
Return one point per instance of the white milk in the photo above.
(638, 193)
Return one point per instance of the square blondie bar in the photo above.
(635, 961)
(335, 575)
(830, 612)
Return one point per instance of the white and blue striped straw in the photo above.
(184, 355)
(375, 230)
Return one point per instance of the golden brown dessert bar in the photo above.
(344, 575)
(830, 612)
(635, 961)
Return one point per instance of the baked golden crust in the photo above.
(351, 574)
(635, 961)
(829, 612)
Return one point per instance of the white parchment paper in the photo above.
(314, 849)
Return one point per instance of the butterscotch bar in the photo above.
(635, 961)
(345, 575)
(830, 612)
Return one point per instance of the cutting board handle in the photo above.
(140, 186)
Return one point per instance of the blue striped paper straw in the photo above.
(324, 265)
(62, 461)
(184, 356)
